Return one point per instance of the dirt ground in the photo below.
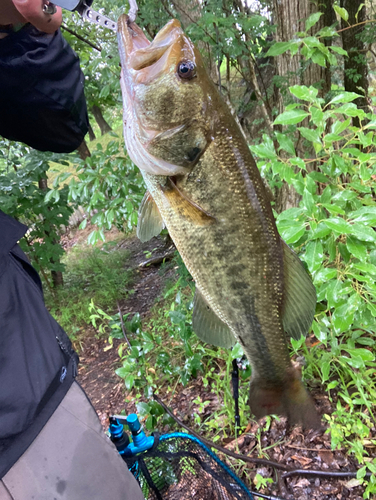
(291, 447)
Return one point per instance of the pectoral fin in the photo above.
(186, 208)
(207, 326)
(299, 298)
(150, 222)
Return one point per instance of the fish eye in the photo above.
(186, 70)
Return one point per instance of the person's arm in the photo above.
(31, 11)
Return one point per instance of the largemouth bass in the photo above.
(204, 185)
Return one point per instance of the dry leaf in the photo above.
(302, 460)
(353, 483)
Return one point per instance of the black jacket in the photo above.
(37, 363)
(42, 101)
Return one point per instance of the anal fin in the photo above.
(207, 326)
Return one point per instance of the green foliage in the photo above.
(23, 199)
(333, 232)
(92, 276)
(311, 47)
(109, 187)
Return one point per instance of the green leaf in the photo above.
(304, 93)
(325, 274)
(341, 12)
(310, 134)
(320, 331)
(308, 202)
(317, 115)
(53, 193)
(327, 31)
(293, 233)
(286, 143)
(333, 292)
(339, 225)
(342, 319)
(237, 351)
(344, 97)
(83, 224)
(281, 47)
(363, 232)
(325, 370)
(264, 151)
(122, 372)
(333, 209)
(176, 317)
(312, 20)
(338, 50)
(320, 232)
(290, 214)
(314, 255)
(143, 409)
(129, 381)
(291, 117)
(339, 126)
(356, 248)
(366, 268)
(365, 354)
(353, 361)
(318, 58)
(372, 309)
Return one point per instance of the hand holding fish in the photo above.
(204, 185)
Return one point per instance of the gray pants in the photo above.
(71, 459)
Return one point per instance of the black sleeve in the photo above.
(42, 100)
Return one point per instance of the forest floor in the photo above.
(271, 440)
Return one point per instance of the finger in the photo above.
(32, 11)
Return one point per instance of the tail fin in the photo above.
(289, 399)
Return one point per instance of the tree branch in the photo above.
(81, 38)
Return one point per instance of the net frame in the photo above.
(179, 461)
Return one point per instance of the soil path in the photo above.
(292, 447)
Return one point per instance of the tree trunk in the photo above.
(57, 276)
(355, 65)
(83, 150)
(290, 17)
(99, 118)
(91, 133)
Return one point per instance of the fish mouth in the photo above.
(137, 52)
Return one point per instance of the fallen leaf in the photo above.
(353, 483)
(302, 460)
(327, 457)
(302, 483)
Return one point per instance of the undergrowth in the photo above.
(92, 275)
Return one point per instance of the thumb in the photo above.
(32, 12)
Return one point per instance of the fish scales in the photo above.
(248, 300)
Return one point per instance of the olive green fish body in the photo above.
(235, 259)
